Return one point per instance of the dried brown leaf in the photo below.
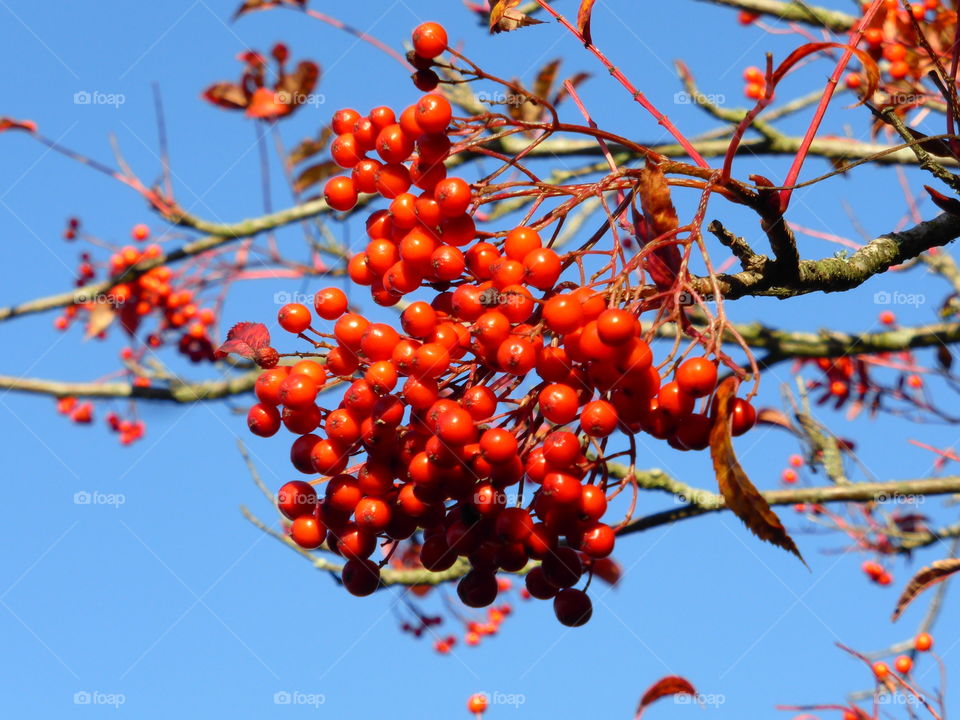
(669, 685)
(504, 17)
(583, 19)
(935, 572)
(741, 496)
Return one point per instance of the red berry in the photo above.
(429, 40)
(294, 318)
(572, 607)
(297, 498)
(361, 577)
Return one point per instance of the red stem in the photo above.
(637, 95)
(855, 35)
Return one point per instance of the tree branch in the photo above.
(795, 12)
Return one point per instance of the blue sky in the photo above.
(172, 602)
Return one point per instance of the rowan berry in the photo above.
(297, 498)
(434, 113)
(429, 40)
(294, 318)
(572, 607)
(263, 420)
(308, 532)
(330, 303)
(340, 193)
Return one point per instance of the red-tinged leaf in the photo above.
(740, 495)
(944, 357)
(306, 149)
(608, 570)
(944, 202)
(583, 20)
(295, 88)
(664, 687)
(934, 573)
(8, 123)
(227, 95)
(870, 67)
(660, 218)
(267, 103)
(504, 17)
(245, 339)
(772, 416)
(255, 335)
(251, 5)
(574, 81)
(545, 79)
(314, 174)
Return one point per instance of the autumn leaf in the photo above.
(660, 219)
(314, 174)
(741, 496)
(545, 79)
(583, 20)
(937, 571)
(8, 123)
(245, 339)
(251, 5)
(870, 68)
(772, 416)
(227, 95)
(306, 149)
(504, 17)
(670, 685)
(944, 202)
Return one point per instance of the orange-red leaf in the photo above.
(944, 202)
(583, 20)
(227, 95)
(245, 339)
(870, 67)
(935, 572)
(670, 685)
(741, 496)
(504, 17)
(314, 174)
(8, 123)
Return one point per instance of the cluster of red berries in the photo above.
(82, 414)
(756, 82)
(903, 664)
(439, 452)
(876, 572)
(153, 292)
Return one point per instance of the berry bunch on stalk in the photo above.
(479, 426)
(162, 297)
